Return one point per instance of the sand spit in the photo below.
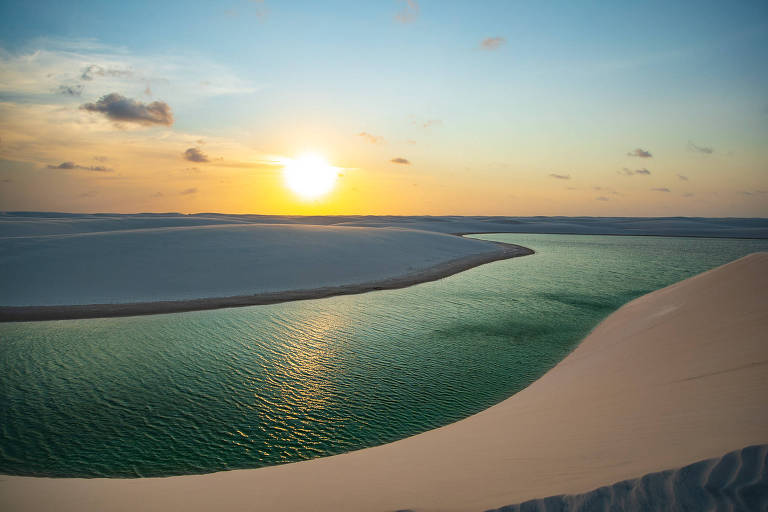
(498, 251)
(676, 376)
(736, 481)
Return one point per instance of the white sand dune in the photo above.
(40, 223)
(736, 481)
(674, 377)
(220, 260)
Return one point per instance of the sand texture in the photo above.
(736, 481)
(674, 377)
(223, 261)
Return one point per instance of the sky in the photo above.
(624, 108)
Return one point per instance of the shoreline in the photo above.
(628, 401)
(85, 311)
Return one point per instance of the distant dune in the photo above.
(41, 223)
(182, 268)
(674, 377)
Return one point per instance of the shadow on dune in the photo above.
(736, 481)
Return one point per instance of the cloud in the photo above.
(560, 176)
(409, 12)
(660, 189)
(119, 108)
(640, 153)
(700, 149)
(492, 43)
(400, 160)
(189, 191)
(70, 90)
(195, 155)
(72, 165)
(629, 172)
(688, 194)
(602, 198)
(429, 123)
(95, 70)
(373, 139)
(38, 68)
(681, 177)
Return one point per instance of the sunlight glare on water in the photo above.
(247, 387)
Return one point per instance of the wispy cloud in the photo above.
(492, 43)
(602, 198)
(72, 165)
(660, 189)
(629, 172)
(429, 123)
(189, 191)
(70, 90)
(369, 137)
(682, 177)
(195, 155)
(121, 109)
(409, 11)
(700, 149)
(560, 176)
(40, 68)
(94, 70)
(640, 153)
(400, 160)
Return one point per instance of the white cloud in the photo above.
(46, 65)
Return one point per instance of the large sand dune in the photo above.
(221, 260)
(674, 377)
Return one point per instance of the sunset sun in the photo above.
(309, 176)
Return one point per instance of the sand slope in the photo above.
(736, 481)
(676, 376)
(224, 260)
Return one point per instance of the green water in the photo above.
(247, 387)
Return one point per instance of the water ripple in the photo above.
(248, 387)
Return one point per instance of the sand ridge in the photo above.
(491, 251)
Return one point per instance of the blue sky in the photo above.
(569, 89)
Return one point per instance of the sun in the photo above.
(309, 176)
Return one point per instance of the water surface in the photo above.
(238, 388)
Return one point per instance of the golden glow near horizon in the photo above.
(309, 176)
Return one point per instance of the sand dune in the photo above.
(219, 260)
(38, 223)
(673, 377)
(736, 481)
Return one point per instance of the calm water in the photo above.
(237, 388)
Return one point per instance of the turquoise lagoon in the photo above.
(247, 387)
